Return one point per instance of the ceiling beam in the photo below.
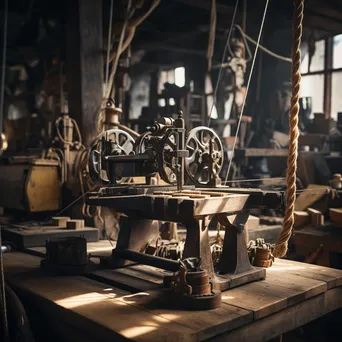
(319, 22)
(327, 9)
(206, 4)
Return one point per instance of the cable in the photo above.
(3, 294)
(3, 68)
(247, 88)
(109, 44)
(261, 47)
(223, 58)
(116, 60)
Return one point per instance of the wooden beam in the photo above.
(322, 23)
(206, 4)
(181, 50)
(84, 63)
(328, 10)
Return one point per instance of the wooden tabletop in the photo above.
(260, 152)
(97, 308)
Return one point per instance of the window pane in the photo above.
(337, 56)
(336, 98)
(304, 66)
(180, 76)
(317, 61)
(312, 86)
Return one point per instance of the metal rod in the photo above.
(146, 259)
(3, 68)
(3, 294)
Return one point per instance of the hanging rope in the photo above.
(282, 242)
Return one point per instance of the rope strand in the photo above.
(282, 242)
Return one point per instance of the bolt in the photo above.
(240, 228)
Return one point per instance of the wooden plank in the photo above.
(260, 152)
(286, 320)
(98, 303)
(336, 215)
(275, 293)
(301, 218)
(332, 277)
(310, 195)
(204, 324)
(101, 247)
(148, 273)
(92, 305)
(316, 217)
(125, 281)
(16, 262)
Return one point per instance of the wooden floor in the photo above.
(102, 307)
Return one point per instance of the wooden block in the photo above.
(301, 219)
(316, 217)
(336, 215)
(60, 221)
(311, 195)
(75, 224)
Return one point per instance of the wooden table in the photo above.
(84, 309)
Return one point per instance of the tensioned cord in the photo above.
(223, 58)
(247, 88)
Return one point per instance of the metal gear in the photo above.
(124, 143)
(205, 155)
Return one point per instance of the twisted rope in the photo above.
(282, 242)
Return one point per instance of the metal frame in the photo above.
(327, 73)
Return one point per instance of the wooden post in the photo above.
(84, 64)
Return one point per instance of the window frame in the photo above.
(327, 72)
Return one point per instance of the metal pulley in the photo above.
(205, 159)
(113, 141)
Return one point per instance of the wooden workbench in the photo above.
(84, 309)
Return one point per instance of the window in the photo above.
(336, 77)
(180, 77)
(337, 54)
(312, 84)
(336, 94)
(173, 76)
(321, 80)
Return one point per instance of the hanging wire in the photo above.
(223, 58)
(110, 87)
(109, 45)
(75, 201)
(247, 88)
(261, 47)
(3, 68)
(3, 294)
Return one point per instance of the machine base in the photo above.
(36, 237)
(228, 281)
